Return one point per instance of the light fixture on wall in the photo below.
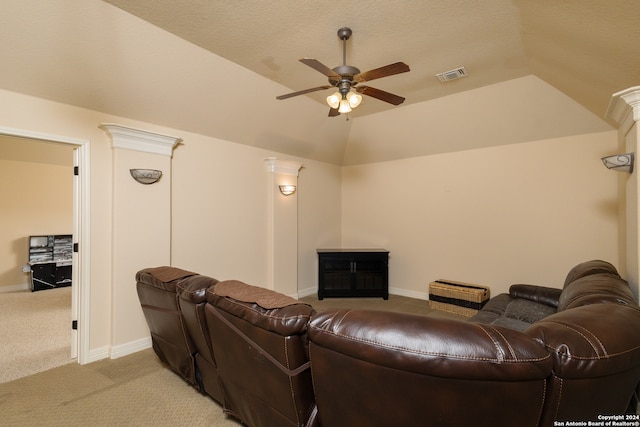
(620, 162)
(145, 176)
(287, 189)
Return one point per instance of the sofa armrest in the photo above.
(540, 294)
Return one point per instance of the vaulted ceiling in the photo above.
(584, 49)
(587, 49)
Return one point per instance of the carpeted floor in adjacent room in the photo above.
(35, 332)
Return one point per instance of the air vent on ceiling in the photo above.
(454, 74)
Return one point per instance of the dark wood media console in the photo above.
(353, 273)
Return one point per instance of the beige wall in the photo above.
(141, 238)
(220, 218)
(525, 212)
(520, 213)
(37, 198)
(319, 219)
(218, 211)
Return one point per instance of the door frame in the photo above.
(80, 301)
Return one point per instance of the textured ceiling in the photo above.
(587, 49)
(537, 69)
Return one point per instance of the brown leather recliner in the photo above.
(374, 368)
(192, 299)
(172, 343)
(260, 345)
(595, 345)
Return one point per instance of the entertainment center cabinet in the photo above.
(353, 273)
(50, 261)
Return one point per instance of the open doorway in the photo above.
(78, 166)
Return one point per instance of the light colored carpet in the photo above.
(136, 390)
(35, 332)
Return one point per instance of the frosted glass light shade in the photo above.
(354, 99)
(344, 106)
(334, 100)
(287, 189)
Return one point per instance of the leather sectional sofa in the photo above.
(537, 356)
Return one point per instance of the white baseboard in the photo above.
(15, 288)
(96, 354)
(122, 350)
(393, 291)
(306, 292)
(118, 351)
(130, 348)
(409, 294)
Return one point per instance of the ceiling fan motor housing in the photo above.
(346, 73)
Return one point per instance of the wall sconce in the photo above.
(620, 162)
(145, 176)
(287, 189)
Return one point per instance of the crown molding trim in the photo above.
(285, 167)
(624, 108)
(140, 140)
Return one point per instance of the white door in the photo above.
(75, 284)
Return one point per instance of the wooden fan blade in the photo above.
(333, 112)
(380, 94)
(302, 92)
(319, 66)
(387, 70)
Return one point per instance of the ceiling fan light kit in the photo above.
(346, 79)
(344, 103)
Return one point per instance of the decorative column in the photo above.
(282, 227)
(624, 110)
(141, 229)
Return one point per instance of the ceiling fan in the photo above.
(346, 79)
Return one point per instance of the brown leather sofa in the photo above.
(157, 293)
(192, 298)
(571, 354)
(244, 346)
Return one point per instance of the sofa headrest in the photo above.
(164, 277)
(424, 345)
(265, 298)
(588, 268)
(594, 289)
(261, 307)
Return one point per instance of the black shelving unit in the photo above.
(353, 273)
(50, 261)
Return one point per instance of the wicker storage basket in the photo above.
(457, 297)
